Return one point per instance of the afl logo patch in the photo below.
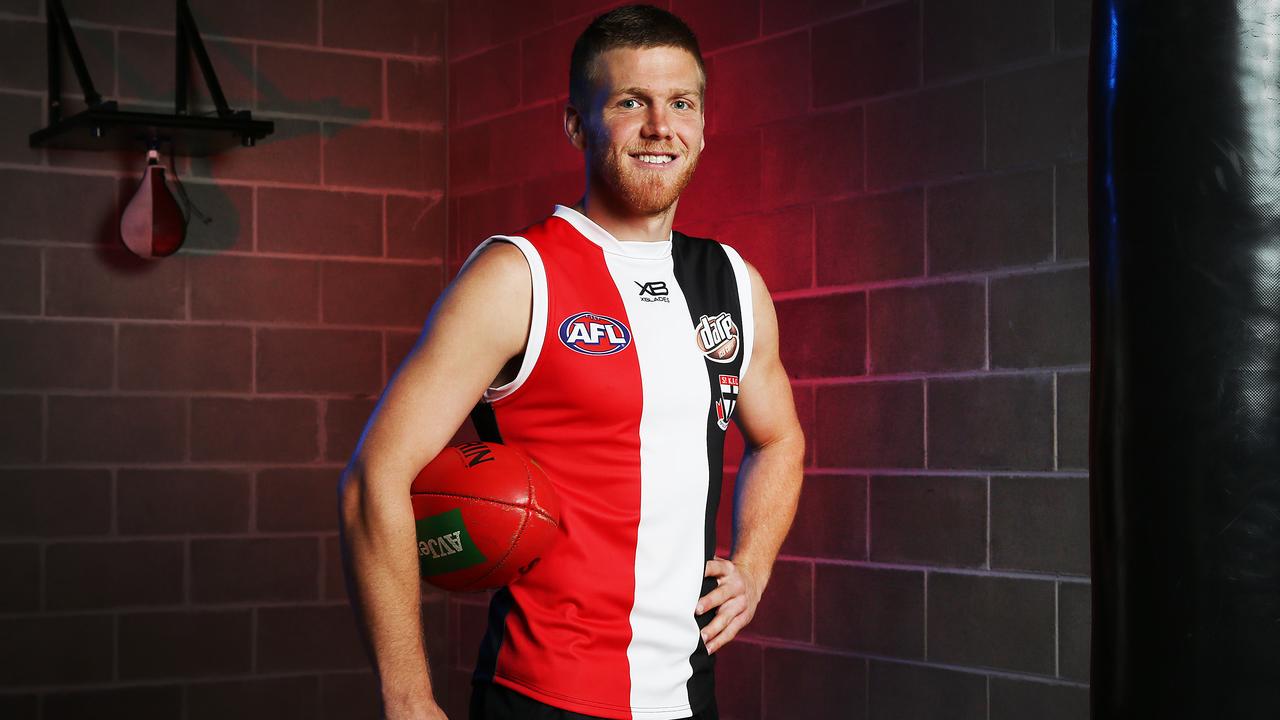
(718, 337)
(592, 334)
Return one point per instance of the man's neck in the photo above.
(623, 224)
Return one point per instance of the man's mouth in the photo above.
(654, 158)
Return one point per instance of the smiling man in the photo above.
(614, 351)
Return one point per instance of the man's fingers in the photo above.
(717, 568)
(727, 587)
(723, 638)
(727, 613)
(715, 598)
(723, 618)
(730, 631)
(730, 596)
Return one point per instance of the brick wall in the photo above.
(171, 432)
(909, 177)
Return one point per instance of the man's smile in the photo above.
(655, 160)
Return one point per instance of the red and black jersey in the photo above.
(627, 384)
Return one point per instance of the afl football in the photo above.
(484, 513)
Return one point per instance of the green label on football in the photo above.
(444, 545)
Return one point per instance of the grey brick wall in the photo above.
(171, 433)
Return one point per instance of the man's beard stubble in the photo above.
(644, 192)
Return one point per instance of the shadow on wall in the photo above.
(145, 82)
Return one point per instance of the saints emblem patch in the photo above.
(717, 337)
(728, 400)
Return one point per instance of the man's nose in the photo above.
(656, 123)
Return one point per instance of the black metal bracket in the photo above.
(103, 126)
(189, 35)
(59, 29)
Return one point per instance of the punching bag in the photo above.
(152, 224)
(1184, 216)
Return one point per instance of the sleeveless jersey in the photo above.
(628, 381)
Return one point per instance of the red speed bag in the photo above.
(152, 225)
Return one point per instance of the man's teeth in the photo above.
(656, 159)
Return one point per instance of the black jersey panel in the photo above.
(706, 278)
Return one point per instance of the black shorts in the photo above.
(491, 701)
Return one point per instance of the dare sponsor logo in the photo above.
(717, 337)
(593, 334)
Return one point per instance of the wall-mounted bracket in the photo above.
(103, 126)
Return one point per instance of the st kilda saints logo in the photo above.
(592, 334)
(728, 400)
(717, 337)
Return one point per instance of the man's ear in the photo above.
(573, 127)
(704, 144)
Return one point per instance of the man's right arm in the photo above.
(479, 323)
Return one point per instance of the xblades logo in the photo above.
(653, 291)
(656, 288)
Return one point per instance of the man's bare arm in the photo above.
(768, 483)
(479, 323)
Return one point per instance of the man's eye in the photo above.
(629, 100)
(683, 103)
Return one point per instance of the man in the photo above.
(620, 352)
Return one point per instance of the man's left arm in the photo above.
(768, 484)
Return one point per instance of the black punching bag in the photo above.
(1184, 215)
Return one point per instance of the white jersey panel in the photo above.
(669, 566)
(746, 300)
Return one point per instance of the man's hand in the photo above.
(737, 596)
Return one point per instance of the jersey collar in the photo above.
(598, 235)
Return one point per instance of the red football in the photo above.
(484, 513)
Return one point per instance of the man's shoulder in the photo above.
(510, 248)
(497, 262)
(550, 224)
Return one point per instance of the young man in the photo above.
(620, 353)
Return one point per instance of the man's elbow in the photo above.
(351, 494)
(788, 446)
(367, 496)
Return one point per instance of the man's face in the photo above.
(643, 132)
